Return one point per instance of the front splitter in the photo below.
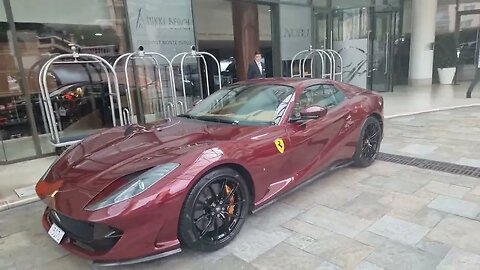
(140, 260)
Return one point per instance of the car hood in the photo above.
(103, 158)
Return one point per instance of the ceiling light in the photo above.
(98, 34)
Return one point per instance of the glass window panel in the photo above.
(15, 132)
(468, 5)
(350, 24)
(322, 95)
(320, 3)
(47, 27)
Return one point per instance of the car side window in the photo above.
(323, 95)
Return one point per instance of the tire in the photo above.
(368, 145)
(211, 218)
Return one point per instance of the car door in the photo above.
(312, 142)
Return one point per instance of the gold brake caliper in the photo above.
(231, 201)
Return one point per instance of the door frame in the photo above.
(458, 20)
(394, 19)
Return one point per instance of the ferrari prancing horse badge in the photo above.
(280, 145)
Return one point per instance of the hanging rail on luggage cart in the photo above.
(168, 108)
(327, 54)
(304, 55)
(76, 58)
(194, 54)
(336, 56)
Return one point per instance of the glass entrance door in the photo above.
(382, 40)
(350, 38)
(321, 28)
(468, 34)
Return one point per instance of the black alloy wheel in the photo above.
(368, 145)
(214, 211)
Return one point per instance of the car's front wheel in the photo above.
(368, 144)
(214, 210)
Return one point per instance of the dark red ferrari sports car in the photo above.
(138, 192)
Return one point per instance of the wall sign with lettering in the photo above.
(296, 29)
(162, 26)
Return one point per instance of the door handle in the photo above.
(387, 53)
(369, 46)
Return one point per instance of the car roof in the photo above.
(293, 82)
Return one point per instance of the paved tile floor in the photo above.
(386, 216)
(450, 136)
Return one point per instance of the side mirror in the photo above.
(313, 112)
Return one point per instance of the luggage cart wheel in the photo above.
(60, 150)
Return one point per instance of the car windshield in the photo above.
(250, 104)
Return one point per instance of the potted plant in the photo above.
(446, 59)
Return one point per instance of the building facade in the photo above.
(383, 43)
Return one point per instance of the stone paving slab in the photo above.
(393, 183)
(460, 259)
(365, 265)
(366, 206)
(438, 249)
(335, 221)
(398, 230)
(446, 189)
(455, 206)
(340, 250)
(458, 232)
(392, 255)
(403, 206)
(297, 259)
(328, 266)
(428, 217)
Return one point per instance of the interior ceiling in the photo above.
(223, 5)
(222, 44)
(452, 2)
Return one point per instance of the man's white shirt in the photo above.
(259, 65)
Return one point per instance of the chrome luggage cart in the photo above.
(61, 141)
(158, 106)
(328, 64)
(182, 106)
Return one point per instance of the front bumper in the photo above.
(89, 236)
(117, 240)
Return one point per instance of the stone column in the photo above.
(423, 36)
(246, 35)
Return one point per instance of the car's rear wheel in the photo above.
(214, 210)
(368, 144)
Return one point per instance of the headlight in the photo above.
(135, 187)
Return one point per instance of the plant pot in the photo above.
(446, 75)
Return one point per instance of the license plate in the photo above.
(56, 233)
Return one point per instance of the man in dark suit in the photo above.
(257, 68)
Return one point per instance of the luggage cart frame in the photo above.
(75, 58)
(142, 55)
(194, 54)
(311, 53)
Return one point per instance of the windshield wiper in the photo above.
(215, 119)
(186, 116)
(210, 119)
